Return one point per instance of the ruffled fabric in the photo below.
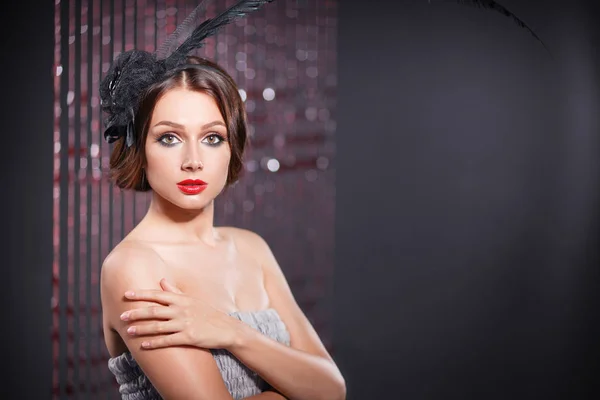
(240, 380)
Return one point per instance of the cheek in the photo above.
(222, 164)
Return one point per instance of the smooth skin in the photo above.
(187, 275)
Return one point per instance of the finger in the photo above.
(158, 312)
(158, 296)
(166, 285)
(155, 328)
(175, 339)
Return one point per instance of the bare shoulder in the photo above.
(130, 259)
(130, 265)
(251, 240)
(242, 234)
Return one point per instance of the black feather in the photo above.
(183, 28)
(211, 26)
(494, 6)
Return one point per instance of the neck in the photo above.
(182, 225)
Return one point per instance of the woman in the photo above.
(190, 310)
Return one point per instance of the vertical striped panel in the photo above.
(283, 58)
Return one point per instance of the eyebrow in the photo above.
(179, 126)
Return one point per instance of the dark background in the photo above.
(467, 201)
(467, 191)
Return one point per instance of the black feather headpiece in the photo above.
(134, 71)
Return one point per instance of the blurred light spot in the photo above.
(322, 163)
(94, 150)
(82, 162)
(264, 161)
(59, 70)
(56, 147)
(251, 165)
(249, 30)
(250, 73)
(84, 29)
(311, 55)
(268, 94)
(279, 141)
(273, 165)
(240, 56)
(301, 55)
(240, 65)
(312, 72)
(311, 113)
(248, 205)
(243, 94)
(70, 97)
(221, 48)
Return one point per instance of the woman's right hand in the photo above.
(180, 320)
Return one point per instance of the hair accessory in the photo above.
(134, 71)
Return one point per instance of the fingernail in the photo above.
(131, 330)
(125, 316)
(129, 293)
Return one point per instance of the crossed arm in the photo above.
(302, 371)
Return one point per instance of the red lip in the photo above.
(192, 186)
(192, 182)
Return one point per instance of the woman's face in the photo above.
(187, 140)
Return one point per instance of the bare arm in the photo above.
(267, 395)
(304, 370)
(177, 373)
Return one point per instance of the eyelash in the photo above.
(161, 137)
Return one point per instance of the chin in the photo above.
(185, 201)
(196, 202)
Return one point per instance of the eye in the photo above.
(213, 139)
(167, 139)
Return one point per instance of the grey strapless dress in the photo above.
(239, 379)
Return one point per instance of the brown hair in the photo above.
(201, 75)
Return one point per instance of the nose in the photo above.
(192, 160)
